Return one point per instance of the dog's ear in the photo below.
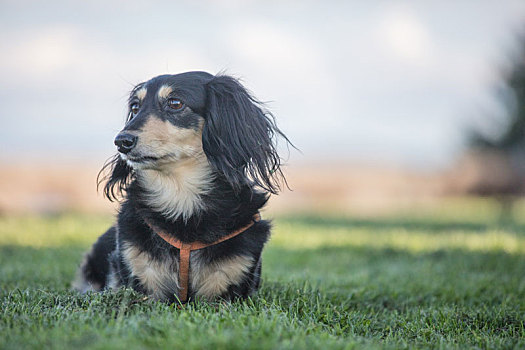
(239, 137)
(117, 175)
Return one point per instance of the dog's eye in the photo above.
(175, 103)
(134, 108)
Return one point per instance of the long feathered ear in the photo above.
(117, 175)
(239, 137)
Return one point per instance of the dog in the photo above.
(196, 162)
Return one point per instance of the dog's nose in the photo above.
(125, 142)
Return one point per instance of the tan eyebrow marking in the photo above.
(141, 93)
(165, 91)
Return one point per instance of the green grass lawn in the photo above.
(451, 278)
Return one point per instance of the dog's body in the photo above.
(197, 160)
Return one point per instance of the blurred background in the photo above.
(394, 105)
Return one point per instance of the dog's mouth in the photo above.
(140, 160)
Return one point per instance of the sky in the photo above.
(398, 82)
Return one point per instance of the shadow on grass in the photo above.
(407, 224)
(47, 267)
(386, 278)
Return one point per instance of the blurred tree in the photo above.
(512, 98)
(501, 157)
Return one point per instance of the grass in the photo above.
(453, 278)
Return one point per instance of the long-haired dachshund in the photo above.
(197, 161)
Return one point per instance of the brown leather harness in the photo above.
(186, 248)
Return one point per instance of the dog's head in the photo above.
(173, 118)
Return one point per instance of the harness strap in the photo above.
(186, 248)
(184, 271)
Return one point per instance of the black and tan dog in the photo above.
(197, 160)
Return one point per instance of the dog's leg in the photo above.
(256, 275)
(248, 286)
(93, 272)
